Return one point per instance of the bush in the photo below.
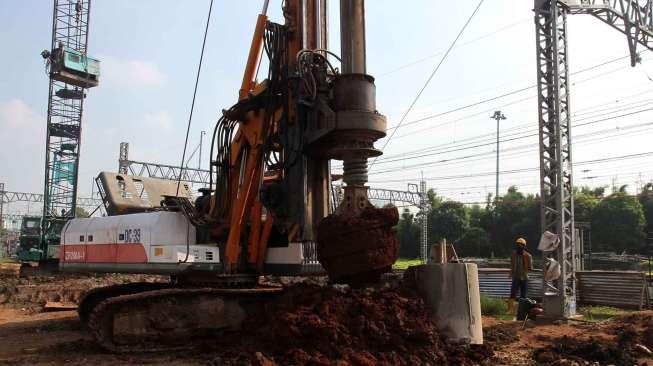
(493, 306)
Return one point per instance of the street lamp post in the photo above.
(498, 116)
(199, 164)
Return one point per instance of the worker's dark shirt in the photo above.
(520, 265)
(519, 273)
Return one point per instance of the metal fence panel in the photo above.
(495, 282)
(624, 289)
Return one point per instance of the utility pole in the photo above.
(199, 164)
(423, 212)
(2, 200)
(498, 116)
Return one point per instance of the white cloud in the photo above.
(17, 114)
(131, 73)
(160, 120)
(22, 146)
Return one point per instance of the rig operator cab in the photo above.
(73, 67)
(29, 241)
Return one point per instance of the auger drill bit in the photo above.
(358, 242)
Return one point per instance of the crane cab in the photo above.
(73, 67)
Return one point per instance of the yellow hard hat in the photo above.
(521, 241)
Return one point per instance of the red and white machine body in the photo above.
(151, 242)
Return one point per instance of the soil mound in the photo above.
(501, 334)
(626, 338)
(603, 351)
(32, 292)
(313, 325)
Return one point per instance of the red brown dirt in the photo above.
(32, 292)
(313, 325)
(358, 249)
(622, 340)
(570, 343)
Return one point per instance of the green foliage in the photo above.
(448, 219)
(403, 263)
(475, 243)
(80, 212)
(515, 215)
(599, 313)
(584, 203)
(618, 224)
(493, 306)
(646, 200)
(408, 231)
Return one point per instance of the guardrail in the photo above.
(622, 289)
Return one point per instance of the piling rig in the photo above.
(266, 210)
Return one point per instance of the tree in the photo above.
(475, 243)
(618, 224)
(480, 217)
(408, 232)
(447, 219)
(646, 200)
(515, 216)
(585, 201)
(80, 212)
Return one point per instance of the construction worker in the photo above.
(521, 263)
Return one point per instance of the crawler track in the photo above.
(165, 319)
(92, 298)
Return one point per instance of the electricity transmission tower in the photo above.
(635, 21)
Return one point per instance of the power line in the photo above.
(437, 151)
(517, 91)
(513, 171)
(603, 171)
(486, 35)
(529, 184)
(529, 147)
(518, 101)
(419, 94)
(192, 105)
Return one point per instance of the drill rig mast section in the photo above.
(255, 53)
(265, 160)
(272, 177)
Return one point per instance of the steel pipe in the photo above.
(352, 36)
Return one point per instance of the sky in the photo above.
(149, 52)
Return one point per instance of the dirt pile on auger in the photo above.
(313, 325)
(357, 249)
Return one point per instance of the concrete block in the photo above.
(451, 292)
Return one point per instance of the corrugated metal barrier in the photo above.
(495, 282)
(624, 289)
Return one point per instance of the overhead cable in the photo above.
(444, 57)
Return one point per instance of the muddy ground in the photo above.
(317, 326)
